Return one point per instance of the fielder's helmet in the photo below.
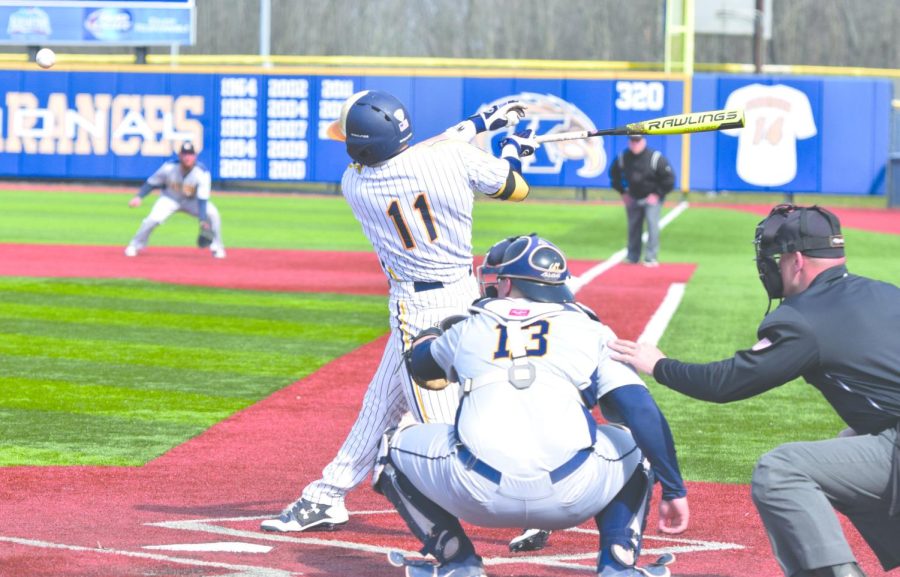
(534, 266)
(374, 125)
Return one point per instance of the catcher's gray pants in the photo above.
(165, 207)
(637, 212)
(796, 485)
(428, 455)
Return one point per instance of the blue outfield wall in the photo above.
(803, 134)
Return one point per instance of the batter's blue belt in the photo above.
(473, 463)
(421, 286)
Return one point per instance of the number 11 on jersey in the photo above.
(422, 207)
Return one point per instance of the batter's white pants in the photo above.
(427, 456)
(391, 392)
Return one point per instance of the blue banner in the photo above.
(803, 134)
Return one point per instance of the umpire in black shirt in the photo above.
(643, 177)
(841, 333)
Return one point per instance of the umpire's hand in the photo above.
(641, 356)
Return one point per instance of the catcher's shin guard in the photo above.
(439, 531)
(622, 522)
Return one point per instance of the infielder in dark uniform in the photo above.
(841, 333)
(643, 177)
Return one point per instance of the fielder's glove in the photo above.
(205, 237)
(498, 116)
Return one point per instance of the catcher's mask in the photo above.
(812, 231)
(374, 125)
(534, 266)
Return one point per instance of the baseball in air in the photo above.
(45, 58)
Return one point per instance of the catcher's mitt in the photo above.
(448, 322)
(432, 382)
(205, 237)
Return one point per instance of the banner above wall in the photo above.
(98, 22)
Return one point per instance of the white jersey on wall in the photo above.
(546, 422)
(416, 208)
(776, 117)
(195, 184)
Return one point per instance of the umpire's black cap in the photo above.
(187, 148)
(814, 231)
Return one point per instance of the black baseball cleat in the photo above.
(305, 515)
(529, 540)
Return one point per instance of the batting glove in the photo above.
(516, 147)
(493, 118)
(520, 145)
(498, 116)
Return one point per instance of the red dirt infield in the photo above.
(99, 521)
(871, 219)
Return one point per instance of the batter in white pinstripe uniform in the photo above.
(415, 207)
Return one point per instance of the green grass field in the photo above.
(116, 372)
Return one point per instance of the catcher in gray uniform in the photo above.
(185, 185)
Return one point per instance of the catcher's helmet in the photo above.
(374, 125)
(534, 266)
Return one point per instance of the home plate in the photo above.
(223, 547)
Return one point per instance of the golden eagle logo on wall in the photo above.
(546, 110)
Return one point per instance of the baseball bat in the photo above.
(677, 124)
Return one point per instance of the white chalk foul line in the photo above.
(238, 570)
(217, 547)
(577, 283)
(564, 561)
(663, 315)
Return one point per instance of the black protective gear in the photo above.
(439, 531)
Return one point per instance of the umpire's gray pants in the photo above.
(796, 485)
(637, 211)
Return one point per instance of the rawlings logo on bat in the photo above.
(701, 120)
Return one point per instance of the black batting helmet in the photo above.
(375, 126)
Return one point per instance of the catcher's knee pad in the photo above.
(622, 522)
(439, 531)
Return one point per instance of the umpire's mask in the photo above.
(813, 231)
